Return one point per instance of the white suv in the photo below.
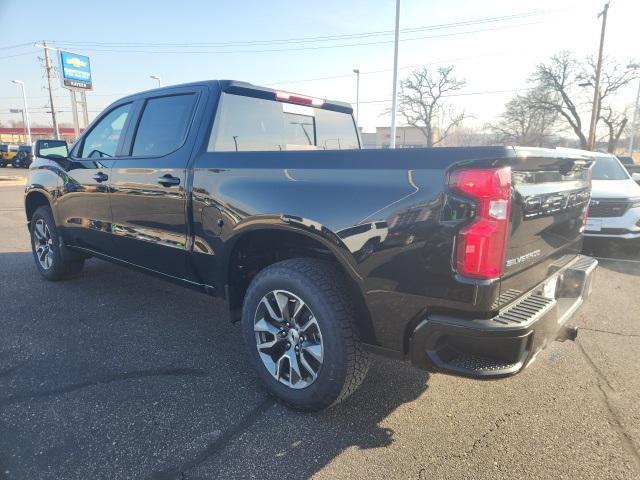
(614, 211)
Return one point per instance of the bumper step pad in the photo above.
(480, 364)
(506, 343)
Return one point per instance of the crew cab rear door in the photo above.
(149, 184)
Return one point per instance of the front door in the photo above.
(148, 191)
(83, 203)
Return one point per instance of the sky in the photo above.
(310, 48)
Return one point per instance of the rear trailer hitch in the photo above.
(567, 333)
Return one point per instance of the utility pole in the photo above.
(49, 68)
(394, 100)
(595, 110)
(357, 72)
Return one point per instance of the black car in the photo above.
(265, 199)
(24, 157)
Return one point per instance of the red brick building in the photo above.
(17, 135)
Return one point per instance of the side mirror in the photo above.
(51, 149)
(636, 177)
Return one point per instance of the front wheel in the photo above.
(53, 260)
(299, 327)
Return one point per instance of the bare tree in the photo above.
(615, 123)
(563, 75)
(464, 136)
(421, 102)
(614, 77)
(527, 119)
(559, 78)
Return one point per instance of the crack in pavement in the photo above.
(499, 422)
(215, 446)
(610, 332)
(605, 391)
(477, 443)
(159, 372)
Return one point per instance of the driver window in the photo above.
(102, 140)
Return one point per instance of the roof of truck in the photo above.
(250, 90)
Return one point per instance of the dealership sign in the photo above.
(75, 71)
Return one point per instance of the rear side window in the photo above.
(163, 125)
(254, 124)
(335, 130)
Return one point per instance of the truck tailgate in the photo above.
(549, 199)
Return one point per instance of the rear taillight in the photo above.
(482, 245)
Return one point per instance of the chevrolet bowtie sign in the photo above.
(75, 71)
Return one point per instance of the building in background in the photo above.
(368, 139)
(16, 135)
(406, 137)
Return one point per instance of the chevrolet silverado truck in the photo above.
(464, 261)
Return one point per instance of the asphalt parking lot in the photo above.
(118, 375)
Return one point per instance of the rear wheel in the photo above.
(53, 260)
(299, 327)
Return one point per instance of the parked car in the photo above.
(632, 168)
(614, 210)
(7, 154)
(24, 157)
(249, 194)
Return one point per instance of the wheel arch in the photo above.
(255, 248)
(34, 199)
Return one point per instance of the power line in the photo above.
(462, 94)
(310, 39)
(17, 55)
(316, 47)
(18, 45)
(404, 67)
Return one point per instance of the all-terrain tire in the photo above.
(61, 263)
(324, 290)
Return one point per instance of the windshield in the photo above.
(609, 168)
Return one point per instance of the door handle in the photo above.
(168, 180)
(101, 177)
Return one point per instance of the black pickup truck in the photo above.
(462, 260)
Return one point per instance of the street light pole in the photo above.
(394, 99)
(25, 110)
(357, 72)
(595, 110)
(156, 77)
